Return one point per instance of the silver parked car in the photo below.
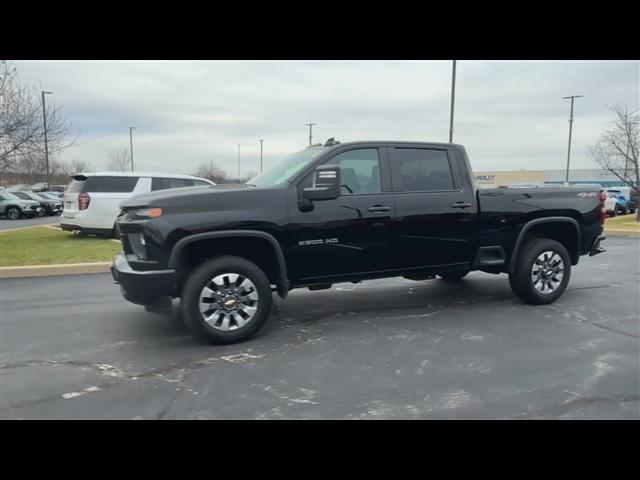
(14, 207)
(49, 205)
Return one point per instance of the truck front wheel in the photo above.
(542, 271)
(226, 300)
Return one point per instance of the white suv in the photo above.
(92, 200)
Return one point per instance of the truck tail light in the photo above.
(603, 210)
(602, 197)
(83, 201)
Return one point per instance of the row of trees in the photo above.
(22, 136)
(212, 172)
(120, 161)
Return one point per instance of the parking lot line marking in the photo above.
(11, 229)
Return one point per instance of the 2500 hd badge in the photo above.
(407, 209)
(319, 241)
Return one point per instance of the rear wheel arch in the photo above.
(258, 247)
(562, 229)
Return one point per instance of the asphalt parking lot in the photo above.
(392, 349)
(6, 224)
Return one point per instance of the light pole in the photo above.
(453, 99)
(626, 156)
(310, 125)
(131, 145)
(238, 163)
(261, 140)
(572, 97)
(46, 146)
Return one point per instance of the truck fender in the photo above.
(527, 226)
(282, 282)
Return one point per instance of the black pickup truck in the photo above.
(345, 212)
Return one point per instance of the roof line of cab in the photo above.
(133, 174)
(334, 143)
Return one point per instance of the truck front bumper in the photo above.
(595, 247)
(142, 287)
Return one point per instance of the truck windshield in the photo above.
(286, 169)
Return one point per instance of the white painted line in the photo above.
(66, 396)
(69, 395)
(11, 229)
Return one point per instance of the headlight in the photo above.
(146, 213)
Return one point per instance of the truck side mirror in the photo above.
(327, 183)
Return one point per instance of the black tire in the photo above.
(13, 213)
(614, 212)
(522, 283)
(202, 276)
(115, 232)
(453, 276)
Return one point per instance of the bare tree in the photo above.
(617, 149)
(119, 161)
(210, 171)
(248, 176)
(77, 166)
(22, 128)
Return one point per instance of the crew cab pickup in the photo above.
(345, 212)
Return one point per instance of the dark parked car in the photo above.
(345, 213)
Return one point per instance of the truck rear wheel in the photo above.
(226, 300)
(542, 271)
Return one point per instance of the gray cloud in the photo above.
(509, 115)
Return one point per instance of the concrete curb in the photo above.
(51, 270)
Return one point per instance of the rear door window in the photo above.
(109, 184)
(165, 183)
(76, 185)
(421, 170)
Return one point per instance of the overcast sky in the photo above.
(509, 115)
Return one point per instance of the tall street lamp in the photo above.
(310, 125)
(261, 140)
(46, 146)
(131, 145)
(572, 97)
(238, 163)
(453, 99)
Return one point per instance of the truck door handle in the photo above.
(379, 209)
(461, 205)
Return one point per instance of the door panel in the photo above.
(435, 211)
(350, 234)
(344, 236)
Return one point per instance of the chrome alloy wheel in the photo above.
(547, 272)
(228, 302)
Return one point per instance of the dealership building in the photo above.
(498, 178)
